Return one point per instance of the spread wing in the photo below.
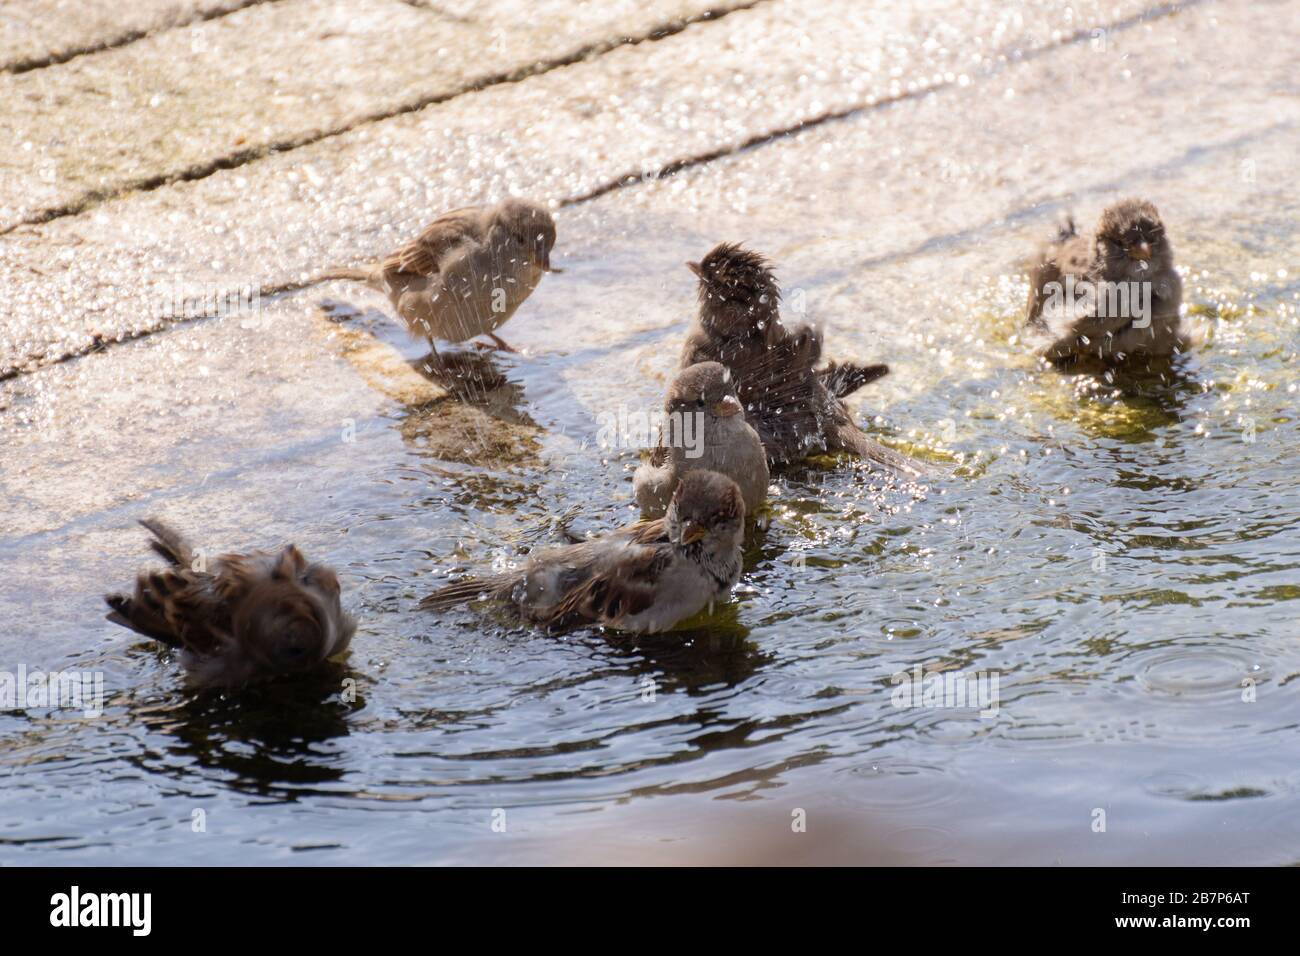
(1044, 271)
(785, 401)
(1069, 326)
(422, 255)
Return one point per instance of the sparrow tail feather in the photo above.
(850, 438)
(461, 592)
(843, 379)
(329, 275)
(168, 543)
(554, 528)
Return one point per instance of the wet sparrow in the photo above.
(646, 578)
(1113, 295)
(467, 273)
(793, 406)
(705, 429)
(248, 616)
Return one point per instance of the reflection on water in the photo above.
(271, 740)
(1122, 550)
(1114, 551)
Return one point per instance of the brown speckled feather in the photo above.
(644, 577)
(240, 617)
(646, 532)
(608, 598)
(422, 255)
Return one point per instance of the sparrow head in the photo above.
(529, 225)
(292, 620)
(706, 507)
(1131, 241)
(707, 388)
(738, 290)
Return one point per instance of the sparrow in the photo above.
(1129, 252)
(706, 429)
(794, 406)
(247, 617)
(466, 274)
(646, 578)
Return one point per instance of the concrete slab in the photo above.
(185, 102)
(572, 132)
(39, 33)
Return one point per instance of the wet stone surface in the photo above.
(184, 102)
(1122, 554)
(562, 135)
(38, 33)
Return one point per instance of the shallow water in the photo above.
(1122, 555)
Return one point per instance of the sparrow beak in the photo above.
(730, 405)
(695, 267)
(692, 532)
(1141, 252)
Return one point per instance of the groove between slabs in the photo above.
(55, 57)
(621, 182)
(234, 160)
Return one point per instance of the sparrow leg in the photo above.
(500, 344)
(433, 362)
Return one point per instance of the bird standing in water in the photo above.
(705, 428)
(793, 406)
(1134, 294)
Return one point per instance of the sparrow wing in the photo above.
(653, 531)
(785, 402)
(1042, 272)
(175, 608)
(802, 345)
(1074, 327)
(1070, 255)
(621, 589)
(422, 255)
